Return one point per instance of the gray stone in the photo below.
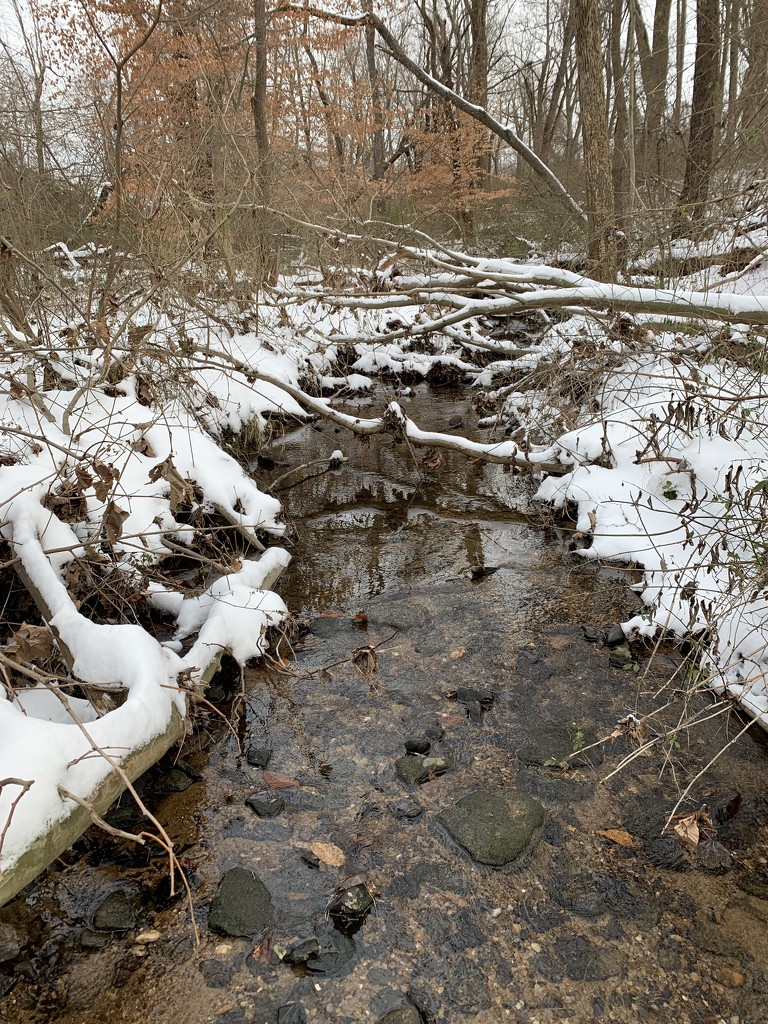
(621, 657)
(614, 636)
(404, 1015)
(351, 904)
(406, 808)
(242, 906)
(494, 827)
(116, 913)
(265, 807)
(10, 944)
(258, 757)
(413, 770)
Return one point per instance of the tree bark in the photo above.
(602, 256)
(704, 106)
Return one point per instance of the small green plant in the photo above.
(669, 490)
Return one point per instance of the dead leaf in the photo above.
(276, 780)
(181, 490)
(458, 653)
(592, 514)
(328, 854)
(619, 836)
(114, 518)
(686, 828)
(32, 643)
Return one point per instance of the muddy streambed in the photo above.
(400, 642)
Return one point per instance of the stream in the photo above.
(496, 676)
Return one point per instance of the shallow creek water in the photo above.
(580, 928)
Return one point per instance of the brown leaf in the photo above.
(687, 830)
(458, 653)
(108, 476)
(276, 780)
(328, 854)
(114, 518)
(619, 836)
(180, 489)
(33, 643)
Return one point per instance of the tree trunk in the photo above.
(602, 257)
(701, 140)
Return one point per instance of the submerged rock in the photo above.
(413, 770)
(258, 757)
(493, 827)
(406, 808)
(265, 807)
(116, 913)
(242, 906)
(549, 745)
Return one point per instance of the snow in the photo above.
(666, 463)
(77, 456)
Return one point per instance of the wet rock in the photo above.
(264, 806)
(10, 943)
(336, 950)
(468, 695)
(298, 951)
(6, 984)
(549, 745)
(533, 667)
(614, 636)
(406, 809)
(310, 859)
(723, 805)
(350, 905)
(242, 906)
(89, 939)
(291, 1013)
(417, 745)
(258, 757)
(712, 856)
(404, 1015)
(116, 913)
(591, 634)
(413, 770)
(172, 780)
(621, 657)
(494, 827)
(434, 732)
(479, 572)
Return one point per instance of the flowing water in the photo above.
(600, 919)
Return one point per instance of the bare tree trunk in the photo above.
(477, 78)
(378, 163)
(705, 103)
(680, 35)
(602, 256)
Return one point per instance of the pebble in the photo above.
(406, 808)
(116, 913)
(434, 732)
(258, 757)
(265, 807)
(150, 935)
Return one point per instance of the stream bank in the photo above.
(400, 645)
